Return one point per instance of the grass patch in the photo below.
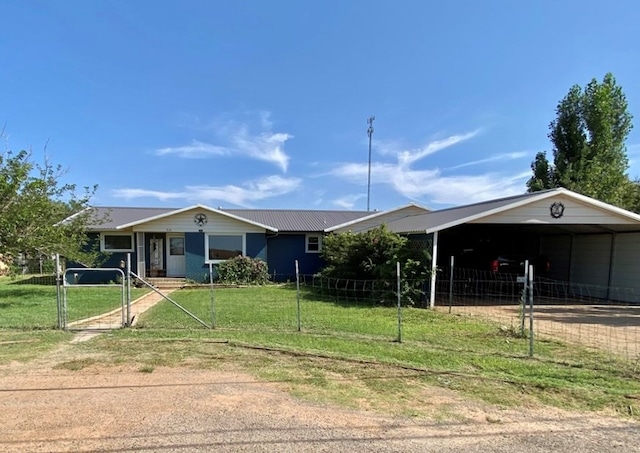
(75, 365)
(347, 353)
(24, 346)
(33, 306)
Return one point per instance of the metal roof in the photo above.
(114, 216)
(289, 220)
(447, 218)
(298, 220)
(284, 220)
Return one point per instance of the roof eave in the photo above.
(197, 206)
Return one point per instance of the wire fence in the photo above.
(603, 318)
(599, 317)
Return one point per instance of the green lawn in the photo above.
(33, 306)
(348, 353)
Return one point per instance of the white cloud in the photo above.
(494, 158)
(266, 145)
(196, 150)
(130, 194)
(347, 201)
(243, 195)
(429, 183)
(409, 157)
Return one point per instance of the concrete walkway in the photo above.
(90, 327)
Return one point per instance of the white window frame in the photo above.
(306, 243)
(102, 242)
(206, 245)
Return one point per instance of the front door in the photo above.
(175, 261)
(156, 257)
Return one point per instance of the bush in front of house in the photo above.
(372, 256)
(243, 270)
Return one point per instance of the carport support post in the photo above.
(530, 311)
(434, 268)
(451, 282)
(523, 298)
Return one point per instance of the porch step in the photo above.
(166, 282)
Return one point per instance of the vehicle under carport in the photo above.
(586, 241)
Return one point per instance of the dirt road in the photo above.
(124, 409)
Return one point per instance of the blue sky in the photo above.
(264, 104)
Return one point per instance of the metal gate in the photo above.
(92, 309)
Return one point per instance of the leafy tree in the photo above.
(372, 255)
(588, 137)
(33, 205)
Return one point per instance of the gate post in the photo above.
(128, 278)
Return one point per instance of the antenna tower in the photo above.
(369, 133)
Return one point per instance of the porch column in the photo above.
(141, 264)
(434, 267)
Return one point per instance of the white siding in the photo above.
(558, 250)
(184, 222)
(539, 213)
(590, 260)
(375, 222)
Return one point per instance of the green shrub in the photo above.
(243, 270)
(372, 255)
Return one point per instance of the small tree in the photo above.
(372, 255)
(33, 209)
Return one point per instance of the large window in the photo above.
(222, 247)
(116, 242)
(314, 243)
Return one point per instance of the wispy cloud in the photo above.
(408, 157)
(237, 140)
(429, 183)
(196, 150)
(494, 158)
(347, 201)
(130, 194)
(240, 195)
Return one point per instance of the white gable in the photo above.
(375, 221)
(185, 221)
(567, 210)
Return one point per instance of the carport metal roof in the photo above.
(533, 210)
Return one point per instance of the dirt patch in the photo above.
(92, 407)
(609, 328)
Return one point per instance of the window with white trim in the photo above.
(313, 243)
(221, 247)
(110, 242)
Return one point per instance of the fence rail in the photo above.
(604, 318)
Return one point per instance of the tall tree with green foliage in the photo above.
(588, 137)
(33, 205)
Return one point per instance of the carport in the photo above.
(587, 241)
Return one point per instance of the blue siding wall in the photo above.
(195, 267)
(111, 260)
(257, 246)
(284, 249)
